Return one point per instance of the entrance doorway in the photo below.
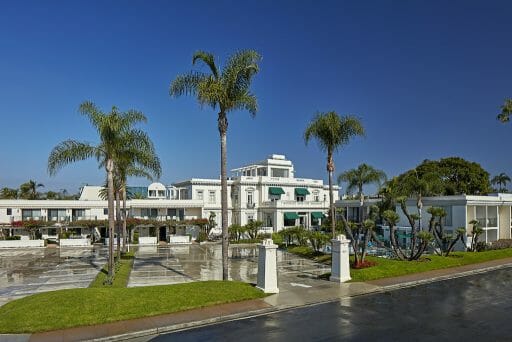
(162, 234)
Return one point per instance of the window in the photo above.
(262, 171)
(105, 211)
(149, 212)
(31, 214)
(269, 220)
(250, 217)
(200, 195)
(279, 172)
(211, 197)
(152, 193)
(161, 193)
(300, 198)
(249, 198)
(9, 211)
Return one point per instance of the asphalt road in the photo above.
(475, 308)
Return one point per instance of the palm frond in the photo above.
(67, 152)
(186, 84)
(208, 59)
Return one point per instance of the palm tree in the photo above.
(501, 180)
(332, 132)
(226, 91)
(363, 175)
(28, 190)
(506, 111)
(110, 127)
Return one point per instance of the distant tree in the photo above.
(501, 181)
(225, 90)
(8, 193)
(52, 195)
(332, 132)
(457, 175)
(28, 190)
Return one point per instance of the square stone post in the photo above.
(340, 269)
(267, 267)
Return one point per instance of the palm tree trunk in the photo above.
(330, 170)
(118, 223)
(223, 127)
(110, 190)
(125, 242)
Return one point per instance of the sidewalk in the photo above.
(291, 298)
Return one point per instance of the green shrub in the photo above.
(14, 237)
(135, 237)
(277, 238)
(202, 236)
(318, 240)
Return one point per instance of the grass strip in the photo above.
(78, 307)
(122, 274)
(386, 268)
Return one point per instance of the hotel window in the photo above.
(9, 211)
(300, 198)
(211, 197)
(279, 172)
(152, 193)
(105, 211)
(161, 193)
(250, 218)
(249, 198)
(200, 195)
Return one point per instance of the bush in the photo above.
(202, 236)
(481, 246)
(277, 238)
(318, 240)
(15, 237)
(135, 237)
(501, 244)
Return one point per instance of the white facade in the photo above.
(266, 191)
(493, 212)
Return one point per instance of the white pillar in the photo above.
(340, 269)
(267, 267)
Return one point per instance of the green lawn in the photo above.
(393, 268)
(122, 274)
(386, 268)
(78, 307)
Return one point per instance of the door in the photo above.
(163, 234)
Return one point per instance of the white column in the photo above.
(267, 267)
(340, 269)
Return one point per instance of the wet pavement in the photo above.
(32, 270)
(177, 264)
(468, 308)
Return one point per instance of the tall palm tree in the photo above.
(332, 132)
(110, 128)
(224, 90)
(501, 180)
(28, 190)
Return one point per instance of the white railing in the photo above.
(178, 239)
(294, 204)
(147, 240)
(21, 243)
(74, 242)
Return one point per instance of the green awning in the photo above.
(275, 190)
(317, 215)
(301, 191)
(291, 216)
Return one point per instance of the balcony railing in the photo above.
(294, 204)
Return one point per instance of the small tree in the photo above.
(236, 232)
(318, 240)
(211, 223)
(475, 233)
(252, 229)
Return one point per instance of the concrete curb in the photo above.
(263, 312)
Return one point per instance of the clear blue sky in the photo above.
(426, 78)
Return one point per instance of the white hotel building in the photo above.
(267, 191)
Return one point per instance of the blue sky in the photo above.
(425, 77)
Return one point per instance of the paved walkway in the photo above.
(33, 270)
(292, 297)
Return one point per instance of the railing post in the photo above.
(267, 267)
(340, 269)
